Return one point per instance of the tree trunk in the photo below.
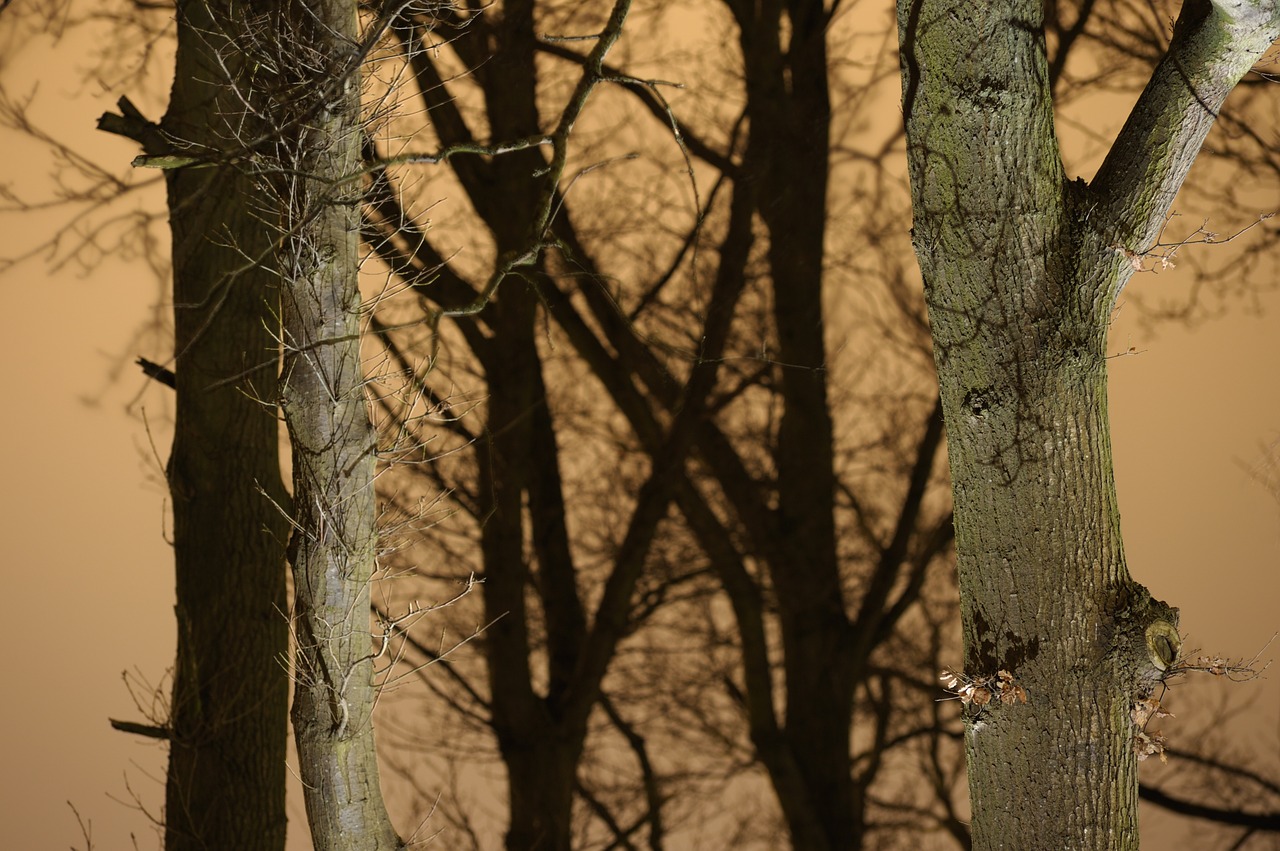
(539, 736)
(789, 111)
(335, 540)
(1021, 270)
(226, 782)
(540, 757)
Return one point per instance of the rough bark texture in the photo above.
(1021, 269)
(226, 780)
(334, 543)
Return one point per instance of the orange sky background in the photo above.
(82, 513)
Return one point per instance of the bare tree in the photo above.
(320, 49)
(267, 104)
(670, 403)
(713, 552)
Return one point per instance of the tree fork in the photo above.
(1021, 270)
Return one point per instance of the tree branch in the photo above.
(1256, 821)
(1214, 45)
(656, 107)
(151, 731)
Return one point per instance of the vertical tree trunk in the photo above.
(1021, 271)
(226, 781)
(540, 735)
(789, 111)
(335, 540)
(540, 758)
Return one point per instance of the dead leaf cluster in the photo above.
(1148, 743)
(1218, 666)
(980, 691)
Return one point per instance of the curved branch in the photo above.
(694, 143)
(1181, 806)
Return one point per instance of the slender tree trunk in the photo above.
(226, 782)
(540, 759)
(540, 764)
(1021, 271)
(789, 111)
(335, 540)
(519, 493)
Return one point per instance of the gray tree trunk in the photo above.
(1022, 268)
(334, 545)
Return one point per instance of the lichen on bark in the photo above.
(1021, 268)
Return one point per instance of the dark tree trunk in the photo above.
(226, 780)
(789, 112)
(541, 760)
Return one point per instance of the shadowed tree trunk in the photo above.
(540, 732)
(789, 113)
(541, 760)
(1022, 269)
(227, 729)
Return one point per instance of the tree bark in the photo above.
(1022, 268)
(335, 540)
(225, 785)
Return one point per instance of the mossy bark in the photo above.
(335, 539)
(1022, 268)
